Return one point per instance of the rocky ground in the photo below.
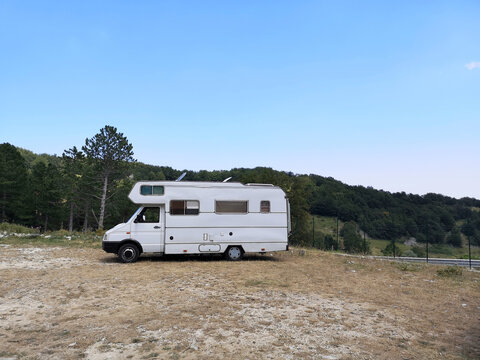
(58, 303)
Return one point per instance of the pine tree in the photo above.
(13, 174)
(108, 152)
(73, 172)
(46, 194)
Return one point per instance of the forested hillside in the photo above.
(86, 188)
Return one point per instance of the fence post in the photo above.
(394, 249)
(338, 244)
(313, 231)
(469, 253)
(427, 242)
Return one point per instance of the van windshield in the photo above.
(133, 217)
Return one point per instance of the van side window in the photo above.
(184, 207)
(231, 207)
(151, 190)
(149, 215)
(264, 206)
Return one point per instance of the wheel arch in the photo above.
(239, 246)
(131, 241)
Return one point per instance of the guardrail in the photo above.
(437, 261)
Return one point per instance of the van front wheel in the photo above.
(128, 253)
(234, 253)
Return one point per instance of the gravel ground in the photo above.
(61, 303)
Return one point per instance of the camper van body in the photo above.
(202, 217)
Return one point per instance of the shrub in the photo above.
(409, 267)
(389, 250)
(352, 241)
(450, 271)
(409, 253)
(454, 238)
(100, 232)
(330, 243)
(419, 251)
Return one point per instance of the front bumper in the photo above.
(110, 246)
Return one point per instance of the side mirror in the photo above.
(139, 218)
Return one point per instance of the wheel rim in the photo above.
(128, 254)
(234, 253)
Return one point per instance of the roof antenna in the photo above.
(181, 176)
(227, 179)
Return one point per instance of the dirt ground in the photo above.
(62, 303)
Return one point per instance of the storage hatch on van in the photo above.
(209, 248)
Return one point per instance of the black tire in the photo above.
(128, 253)
(234, 253)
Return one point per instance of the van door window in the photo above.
(149, 215)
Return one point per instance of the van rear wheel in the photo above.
(234, 253)
(128, 253)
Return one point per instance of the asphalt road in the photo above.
(436, 261)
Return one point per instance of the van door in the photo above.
(149, 227)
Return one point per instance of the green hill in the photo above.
(380, 214)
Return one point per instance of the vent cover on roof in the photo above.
(181, 177)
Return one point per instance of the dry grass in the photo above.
(71, 303)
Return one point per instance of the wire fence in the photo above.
(329, 234)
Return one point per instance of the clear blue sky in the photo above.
(377, 93)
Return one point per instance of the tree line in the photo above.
(86, 189)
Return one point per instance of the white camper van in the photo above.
(177, 217)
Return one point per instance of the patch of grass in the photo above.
(474, 257)
(424, 343)
(265, 283)
(441, 249)
(15, 228)
(253, 282)
(377, 245)
(450, 271)
(6, 354)
(409, 267)
(326, 224)
(57, 238)
(152, 355)
(434, 251)
(104, 348)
